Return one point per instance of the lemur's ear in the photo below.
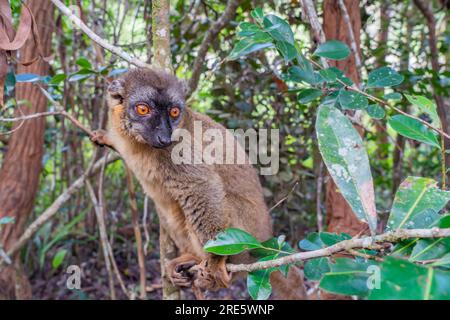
(184, 87)
(116, 90)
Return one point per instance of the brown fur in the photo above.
(195, 202)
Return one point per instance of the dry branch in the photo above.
(94, 37)
(363, 243)
(211, 34)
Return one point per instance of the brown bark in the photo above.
(19, 174)
(340, 217)
(427, 10)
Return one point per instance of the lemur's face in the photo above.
(154, 103)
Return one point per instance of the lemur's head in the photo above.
(154, 102)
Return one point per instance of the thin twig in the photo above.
(351, 34)
(365, 243)
(91, 34)
(316, 26)
(137, 233)
(285, 197)
(103, 238)
(210, 35)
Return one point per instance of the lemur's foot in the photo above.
(99, 138)
(178, 270)
(212, 274)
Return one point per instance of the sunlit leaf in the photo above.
(247, 46)
(375, 111)
(352, 100)
(384, 77)
(427, 106)
(348, 164)
(84, 63)
(413, 129)
(415, 196)
(231, 241)
(59, 258)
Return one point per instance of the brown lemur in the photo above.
(194, 201)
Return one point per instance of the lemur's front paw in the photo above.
(99, 138)
(212, 274)
(178, 270)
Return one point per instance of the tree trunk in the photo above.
(340, 217)
(162, 59)
(20, 171)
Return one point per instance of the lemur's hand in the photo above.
(100, 138)
(212, 274)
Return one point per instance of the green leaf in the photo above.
(59, 258)
(315, 268)
(311, 242)
(258, 284)
(231, 241)
(248, 29)
(308, 95)
(340, 76)
(345, 156)
(257, 14)
(413, 129)
(404, 280)
(116, 72)
(269, 248)
(315, 240)
(297, 74)
(333, 49)
(247, 46)
(60, 77)
(375, 111)
(348, 277)
(84, 63)
(414, 197)
(442, 262)
(330, 239)
(393, 96)
(384, 77)
(6, 220)
(27, 77)
(278, 29)
(431, 249)
(427, 106)
(352, 100)
(329, 75)
(287, 50)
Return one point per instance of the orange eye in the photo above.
(142, 109)
(174, 112)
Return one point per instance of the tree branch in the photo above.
(351, 34)
(211, 34)
(316, 26)
(364, 243)
(94, 37)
